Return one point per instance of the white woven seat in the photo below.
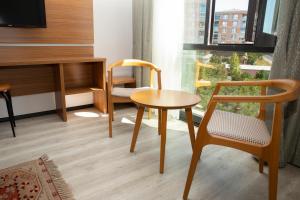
(238, 127)
(126, 92)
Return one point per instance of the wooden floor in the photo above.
(97, 167)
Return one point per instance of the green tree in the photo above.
(235, 71)
(263, 75)
(246, 76)
(253, 57)
(215, 59)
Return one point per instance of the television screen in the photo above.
(22, 13)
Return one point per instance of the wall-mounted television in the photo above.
(23, 13)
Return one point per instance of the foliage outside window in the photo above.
(237, 39)
(236, 66)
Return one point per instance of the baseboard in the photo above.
(37, 114)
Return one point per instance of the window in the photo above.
(232, 12)
(195, 21)
(216, 28)
(236, 17)
(254, 20)
(237, 35)
(271, 15)
(267, 21)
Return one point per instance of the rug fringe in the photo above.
(62, 187)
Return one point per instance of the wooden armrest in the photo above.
(256, 99)
(244, 83)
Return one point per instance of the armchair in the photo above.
(122, 95)
(245, 133)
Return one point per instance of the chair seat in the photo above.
(4, 87)
(126, 92)
(238, 127)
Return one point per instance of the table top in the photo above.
(165, 99)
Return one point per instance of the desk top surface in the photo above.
(51, 61)
(165, 99)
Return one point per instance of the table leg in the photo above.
(137, 126)
(163, 133)
(159, 121)
(189, 118)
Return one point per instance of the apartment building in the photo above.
(229, 27)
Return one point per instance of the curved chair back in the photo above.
(199, 82)
(291, 87)
(135, 63)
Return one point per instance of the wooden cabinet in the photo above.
(63, 76)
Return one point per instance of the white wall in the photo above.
(113, 40)
(113, 31)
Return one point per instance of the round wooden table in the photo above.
(163, 100)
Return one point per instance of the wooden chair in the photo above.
(199, 82)
(245, 133)
(122, 95)
(5, 93)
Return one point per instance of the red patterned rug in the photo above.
(34, 180)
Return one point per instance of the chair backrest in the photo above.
(291, 92)
(291, 89)
(135, 63)
(4, 87)
(200, 65)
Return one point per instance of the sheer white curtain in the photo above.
(167, 46)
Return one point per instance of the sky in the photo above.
(222, 5)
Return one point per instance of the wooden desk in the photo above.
(64, 76)
(163, 100)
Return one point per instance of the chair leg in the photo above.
(11, 120)
(149, 113)
(110, 116)
(273, 177)
(159, 121)
(112, 111)
(11, 107)
(261, 165)
(196, 155)
(137, 126)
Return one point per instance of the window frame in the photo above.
(263, 42)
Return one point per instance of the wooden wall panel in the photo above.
(26, 53)
(68, 21)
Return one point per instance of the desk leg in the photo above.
(189, 118)
(137, 126)
(60, 92)
(163, 133)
